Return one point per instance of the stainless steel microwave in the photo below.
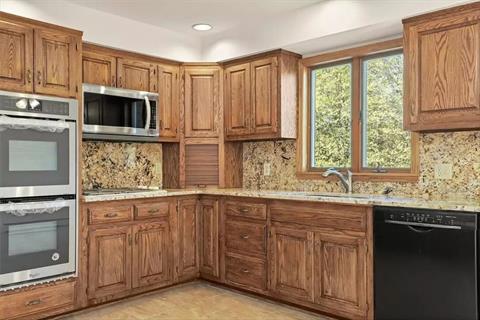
(119, 114)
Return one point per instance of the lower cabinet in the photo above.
(188, 240)
(209, 242)
(109, 261)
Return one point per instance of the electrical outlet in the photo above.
(158, 167)
(267, 169)
(443, 171)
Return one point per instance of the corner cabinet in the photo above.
(261, 97)
(39, 59)
(442, 70)
(201, 99)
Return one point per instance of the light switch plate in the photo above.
(443, 171)
(158, 167)
(267, 169)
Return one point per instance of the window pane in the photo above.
(385, 143)
(331, 116)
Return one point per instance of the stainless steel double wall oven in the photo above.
(38, 187)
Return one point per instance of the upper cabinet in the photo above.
(16, 65)
(99, 68)
(261, 97)
(136, 75)
(168, 85)
(39, 59)
(202, 101)
(442, 66)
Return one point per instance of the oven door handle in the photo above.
(149, 113)
(33, 124)
(23, 209)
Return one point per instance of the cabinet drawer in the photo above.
(245, 237)
(38, 300)
(152, 210)
(107, 214)
(248, 273)
(246, 209)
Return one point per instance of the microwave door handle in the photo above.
(149, 113)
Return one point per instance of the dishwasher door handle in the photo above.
(424, 225)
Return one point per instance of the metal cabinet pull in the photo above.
(152, 211)
(39, 77)
(244, 236)
(29, 76)
(110, 215)
(245, 271)
(33, 303)
(113, 81)
(136, 238)
(243, 210)
(129, 239)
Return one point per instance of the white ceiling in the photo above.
(180, 15)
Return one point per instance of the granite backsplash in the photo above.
(121, 165)
(461, 149)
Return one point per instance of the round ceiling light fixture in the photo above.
(202, 26)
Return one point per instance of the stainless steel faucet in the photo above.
(346, 180)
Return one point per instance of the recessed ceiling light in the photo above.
(202, 26)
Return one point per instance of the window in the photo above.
(352, 114)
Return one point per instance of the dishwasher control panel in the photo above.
(429, 217)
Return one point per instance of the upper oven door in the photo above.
(119, 111)
(37, 157)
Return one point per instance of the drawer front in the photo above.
(323, 215)
(246, 237)
(152, 210)
(246, 210)
(248, 273)
(43, 299)
(107, 214)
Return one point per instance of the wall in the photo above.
(121, 165)
(462, 149)
(108, 29)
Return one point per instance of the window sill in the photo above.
(364, 176)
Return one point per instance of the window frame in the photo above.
(355, 56)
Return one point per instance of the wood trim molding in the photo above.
(354, 52)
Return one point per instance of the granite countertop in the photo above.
(358, 199)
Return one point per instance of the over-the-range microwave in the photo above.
(119, 114)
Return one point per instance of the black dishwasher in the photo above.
(425, 264)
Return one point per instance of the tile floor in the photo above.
(198, 300)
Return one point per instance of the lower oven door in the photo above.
(37, 240)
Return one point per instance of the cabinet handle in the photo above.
(161, 124)
(110, 215)
(245, 271)
(33, 303)
(120, 82)
(39, 77)
(136, 238)
(113, 81)
(244, 236)
(29, 76)
(129, 239)
(243, 210)
(152, 211)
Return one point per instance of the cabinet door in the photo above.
(237, 100)
(442, 73)
(291, 263)
(110, 261)
(209, 256)
(152, 258)
(99, 69)
(136, 75)
(340, 273)
(264, 86)
(188, 263)
(16, 64)
(168, 101)
(202, 94)
(57, 58)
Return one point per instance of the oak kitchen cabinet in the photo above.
(201, 100)
(188, 240)
(115, 68)
(442, 70)
(261, 96)
(39, 59)
(129, 248)
(209, 237)
(320, 256)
